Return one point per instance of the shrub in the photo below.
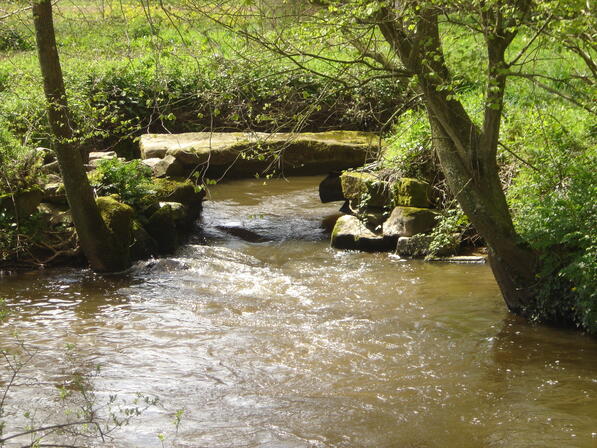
(13, 40)
(131, 181)
(556, 213)
(19, 165)
(446, 236)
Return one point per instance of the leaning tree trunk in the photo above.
(481, 197)
(102, 252)
(468, 154)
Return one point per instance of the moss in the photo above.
(409, 192)
(118, 218)
(183, 191)
(365, 189)
(409, 221)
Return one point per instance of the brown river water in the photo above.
(285, 342)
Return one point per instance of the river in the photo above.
(281, 341)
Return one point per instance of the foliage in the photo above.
(131, 181)
(14, 40)
(18, 237)
(556, 213)
(447, 234)
(133, 73)
(19, 165)
(19, 172)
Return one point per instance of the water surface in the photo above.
(280, 341)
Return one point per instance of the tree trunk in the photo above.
(467, 154)
(97, 243)
(482, 199)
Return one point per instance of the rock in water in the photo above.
(409, 221)
(409, 192)
(349, 233)
(413, 247)
(243, 234)
(330, 188)
(118, 218)
(168, 166)
(364, 190)
(246, 154)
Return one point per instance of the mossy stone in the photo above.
(409, 221)
(118, 218)
(143, 245)
(162, 228)
(244, 154)
(409, 192)
(351, 234)
(183, 191)
(365, 189)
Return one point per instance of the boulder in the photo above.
(168, 166)
(364, 190)
(349, 233)
(178, 211)
(345, 209)
(95, 155)
(418, 246)
(245, 154)
(373, 219)
(409, 192)
(409, 221)
(144, 246)
(408, 246)
(23, 203)
(330, 188)
(328, 223)
(162, 228)
(118, 218)
(243, 234)
(170, 190)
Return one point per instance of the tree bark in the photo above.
(97, 242)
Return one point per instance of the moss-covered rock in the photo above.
(364, 190)
(408, 246)
(351, 234)
(54, 193)
(246, 154)
(183, 191)
(409, 192)
(162, 228)
(169, 166)
(118, 218)
(330, 188)
(55, 214)
(143, 246)
(409, 221)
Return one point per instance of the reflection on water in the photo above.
(269, 338)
